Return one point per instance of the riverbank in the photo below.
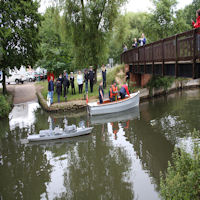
(145, 94)
(6, 104)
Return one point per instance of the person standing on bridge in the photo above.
(197, 24)
(142, 40)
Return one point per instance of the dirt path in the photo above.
(23, 93)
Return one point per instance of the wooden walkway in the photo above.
(177, 56)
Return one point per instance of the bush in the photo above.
(160, 82)
(4, 106)
(182, 179)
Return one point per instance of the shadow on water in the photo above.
(124, 154)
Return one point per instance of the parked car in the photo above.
(15, 78)
(30, 77)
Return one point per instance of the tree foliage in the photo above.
(55, 45)
(182, 179)
(90, 23)
(165, 20)
(20, 21)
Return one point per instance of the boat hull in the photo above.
(36, 137)
(113, 107)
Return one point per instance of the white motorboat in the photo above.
(95, 108)
(60, 133)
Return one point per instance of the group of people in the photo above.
(64, 81)
(113, 92)
(137, 42)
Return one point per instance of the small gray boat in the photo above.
(60, 133)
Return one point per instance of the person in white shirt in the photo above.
(80, 82)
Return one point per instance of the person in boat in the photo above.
(197, 24)
(124, 91)
(101, 92)
(113, 92)
(72, 83)
(51, 89)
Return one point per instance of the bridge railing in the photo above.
(183, 47)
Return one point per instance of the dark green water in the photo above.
(120, 159)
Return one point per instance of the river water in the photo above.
(121, 159)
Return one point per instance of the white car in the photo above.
(15, 78)
(30, 77)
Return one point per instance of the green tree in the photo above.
(19, 23)
(55, 45)
(91, 23)
(160, 24)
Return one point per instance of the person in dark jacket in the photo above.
(197, 24)
(59, 87)
(51, 88)
(135, 43)
(72, 83)
(101, 92)
(86, 77)
(103, 68)
(65, 85)
(91, 75)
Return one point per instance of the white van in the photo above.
(15, 78)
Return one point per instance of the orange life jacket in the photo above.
(114, 90)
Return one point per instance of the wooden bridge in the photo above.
(177, 56)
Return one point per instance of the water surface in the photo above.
(120, 159)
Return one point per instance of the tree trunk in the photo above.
(4, 82)
(95, 71)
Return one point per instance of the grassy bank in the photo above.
(111, 75)
(5, 104)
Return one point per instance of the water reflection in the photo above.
(23, 115)
(121, 159)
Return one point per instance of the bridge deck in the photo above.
(178, 56)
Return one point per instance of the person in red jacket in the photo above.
(197, 24)
(124, 91)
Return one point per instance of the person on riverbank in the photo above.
(91, 76)
(124, 91)
(142, 40)
(65, 85)
(197, 24)
(72, 83)
(135, 43)
(86, 77)
(51, 89)
(59, 87)
(101, 92)
(103, 68)
(80, 82)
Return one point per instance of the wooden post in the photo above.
(176, 57)
(163, 54)
(152, 61)
(144, 60)
(194, 75)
